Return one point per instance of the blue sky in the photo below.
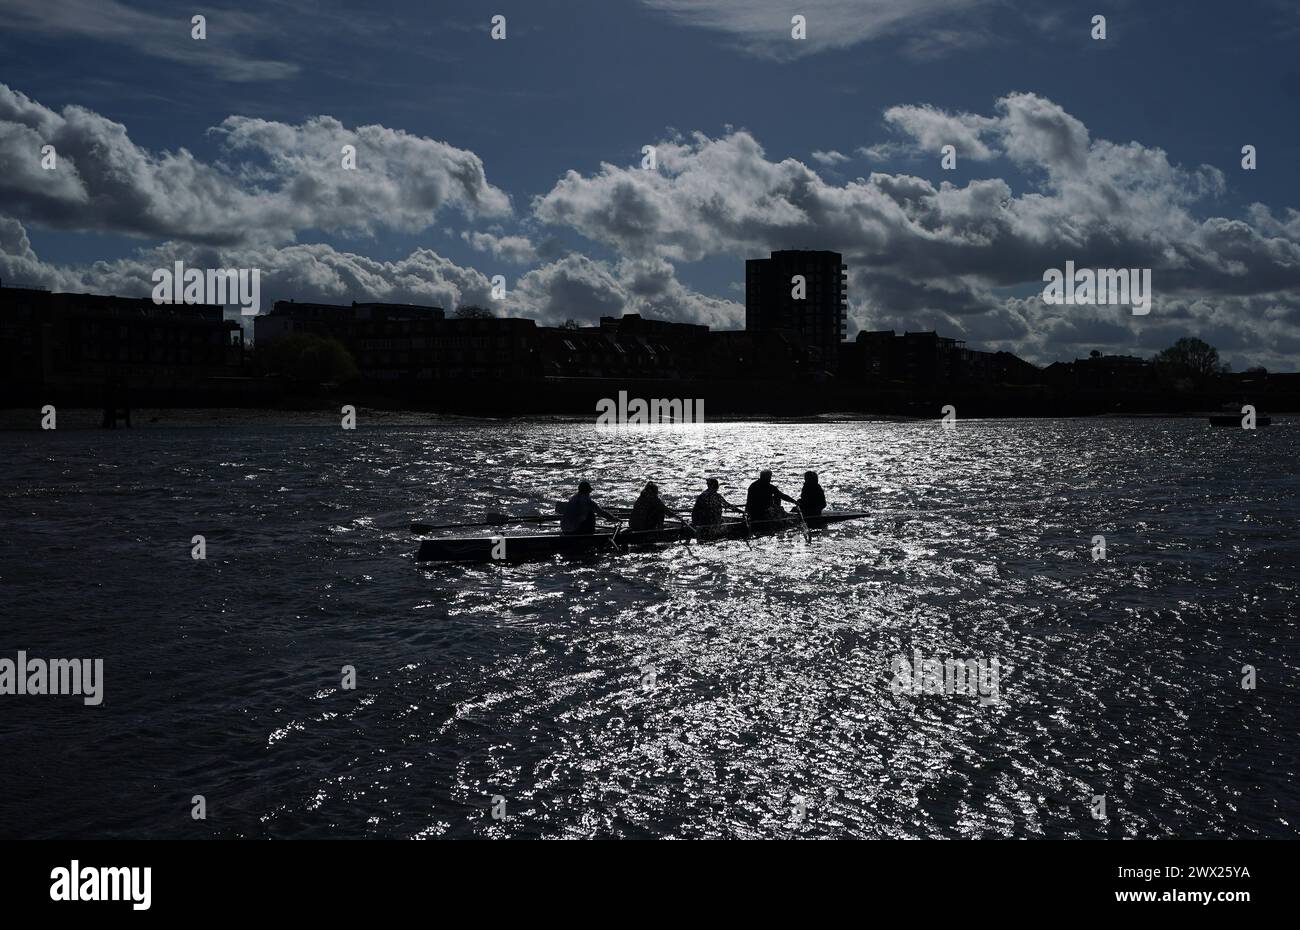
(522, 157)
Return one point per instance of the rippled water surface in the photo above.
(702, 691)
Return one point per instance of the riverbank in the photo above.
(81, 418)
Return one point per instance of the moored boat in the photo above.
(520, 548)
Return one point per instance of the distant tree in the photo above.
(307, 357)
(1190, 358)
(1094, 354)
(473, 312)
(1256, 370)
(570, 324)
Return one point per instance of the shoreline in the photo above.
(89, 418)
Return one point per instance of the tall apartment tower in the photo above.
(819, 319)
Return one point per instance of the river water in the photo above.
(723, 690)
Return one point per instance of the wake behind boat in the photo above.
(520, 548)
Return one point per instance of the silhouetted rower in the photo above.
(763, 502)
(579, 517)
(812, 499)
(709, 505)
(649, 511)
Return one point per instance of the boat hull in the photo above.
(521, 548)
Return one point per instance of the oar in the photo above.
(613, 540)
(686, 526)
(749, 530)
(744, 515)
(807, 534)
(493, 519)
(682, 520)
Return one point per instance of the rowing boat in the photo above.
(519, 548)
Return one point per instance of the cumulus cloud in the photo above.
(291, 178)
(698, 203)
(922, 253)
(573, 287)
(762, 27)
(1098, 202)
(517, 250)
(960, 259)
(653, 290)
(580, 288)
(1287, 226)
(303, 272)
(932, 129)
(1247, 330)
(1037, 131)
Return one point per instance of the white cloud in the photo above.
(517, 250)
(1288, 227)
(922, 254)
(303, 272)
(581, 288)
(932, 129)
(573, 287)
(290, 179)
(831, 158)
(1097, 201)
(936, 254)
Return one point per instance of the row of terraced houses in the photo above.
(57, 345)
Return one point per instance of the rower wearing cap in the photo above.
(763, 502)
(708, 506)
(812, 499)
(579, 517)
